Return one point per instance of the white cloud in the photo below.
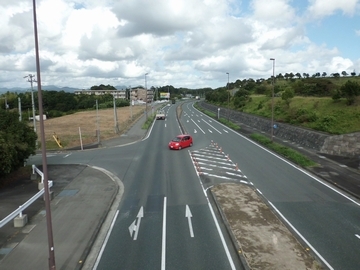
(190, 43)
(322, 8)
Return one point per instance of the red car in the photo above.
(181, 141)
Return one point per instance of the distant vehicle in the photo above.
(160, 115)
(173, 101)
(197, 97)
(181, 141)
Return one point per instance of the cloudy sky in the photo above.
(184, 43)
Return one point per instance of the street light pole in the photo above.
(32, 80)
(228, 96)
(272, 100)
(146, 115)
(51, 248)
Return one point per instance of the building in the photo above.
(135, 94)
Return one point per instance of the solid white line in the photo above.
(163, 251)
(198, 126)
(105, 241)
(302, 237)
(222, 237)
(358, 236)
(211, 126)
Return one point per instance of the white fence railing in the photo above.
(18, 212)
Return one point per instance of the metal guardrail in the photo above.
(18, 212)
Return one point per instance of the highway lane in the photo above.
(164, 220)
(326, 219)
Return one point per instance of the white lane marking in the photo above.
(211, 126)
(209, 130)
(163, 250)
(67, 155)
(293, 165)
(221, 236)
(188, 215)
(225, 130)
(105, 241)
(302, 237)
(215, 221)
(358, 236)
(198, 126)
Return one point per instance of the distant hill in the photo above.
(44, 87)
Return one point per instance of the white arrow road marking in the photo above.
(189, 216)
(134, 227)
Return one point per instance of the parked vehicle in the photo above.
(181, 141)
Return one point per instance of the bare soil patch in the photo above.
(262, 238)
(68, 128)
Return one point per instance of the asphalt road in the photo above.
(325, 218)
(152, 229)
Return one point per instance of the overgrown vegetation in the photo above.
(328, 104)
(286, 152)
(17, 142)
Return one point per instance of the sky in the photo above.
(183, 43)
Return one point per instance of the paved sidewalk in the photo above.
(77, 211)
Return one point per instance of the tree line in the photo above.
(286, 88)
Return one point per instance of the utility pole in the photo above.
(51, 247)
(146, 101)
(31, 80)
(272, 100)
(131, 102)
(97, 122)
(228, 96)
(115, 117)
(19, 102)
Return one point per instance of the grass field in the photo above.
(67, 128)
(321, 114)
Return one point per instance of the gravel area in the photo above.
(263, 240)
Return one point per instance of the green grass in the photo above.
(322, 114)
(284, 151)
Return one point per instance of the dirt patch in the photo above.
(68, 128)
(262, 238)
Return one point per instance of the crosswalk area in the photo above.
(214, 166)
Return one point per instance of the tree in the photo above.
(240, 98)
(324, 74)
(350, 90)
(17, 142)
(298, 75)
(344, 73)
(287, 95)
